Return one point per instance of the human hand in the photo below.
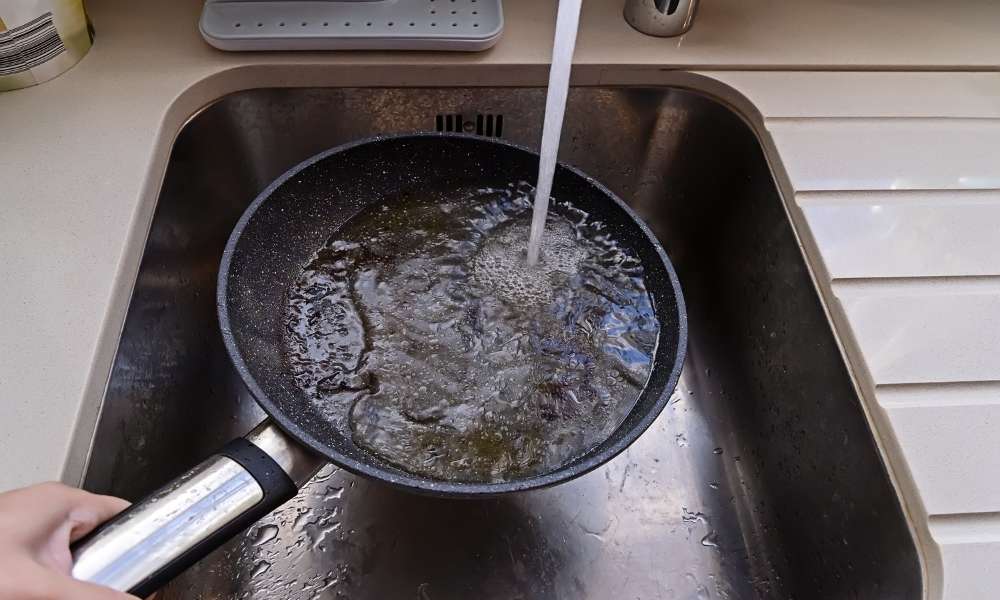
(37, 526)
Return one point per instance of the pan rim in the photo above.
(400, 479)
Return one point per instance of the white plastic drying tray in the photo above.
(456, 25)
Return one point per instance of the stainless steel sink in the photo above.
(760, 480)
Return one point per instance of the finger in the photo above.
(50, 505)
(68, 587)
(29, 513)
(90, 511)
(56, 516)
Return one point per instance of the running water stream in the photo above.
(567, 21)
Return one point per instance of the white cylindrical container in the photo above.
(40, 39)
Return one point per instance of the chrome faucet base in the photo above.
(661, 18)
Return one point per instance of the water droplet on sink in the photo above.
(327, 531)
(303, 519)
(717, 451)
(265, 533)
(690, 518)
(681, 440)
(423, 591)
(333, 493)
(714, 485)
(710, 540)
(701, 592)
(260, 568)
(325, 473)
(329, 581)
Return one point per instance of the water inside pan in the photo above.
(420, 330)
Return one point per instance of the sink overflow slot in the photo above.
(488, 124)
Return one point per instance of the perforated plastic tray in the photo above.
(459, 25)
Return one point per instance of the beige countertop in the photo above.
(891, 176)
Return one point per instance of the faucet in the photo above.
(662, 18)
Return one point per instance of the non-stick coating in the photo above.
(298, 213)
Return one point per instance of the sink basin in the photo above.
(761, 479)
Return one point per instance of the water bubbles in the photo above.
(502, 267)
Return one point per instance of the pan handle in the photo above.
(154, 540)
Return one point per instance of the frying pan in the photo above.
(157, 538)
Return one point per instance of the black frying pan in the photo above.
(277, 235)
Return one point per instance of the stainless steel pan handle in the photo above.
(158, 537)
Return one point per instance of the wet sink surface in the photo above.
(759, 480)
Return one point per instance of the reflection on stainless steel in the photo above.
(662, 18)
(297, 462)
(167, 524)
(759, 480)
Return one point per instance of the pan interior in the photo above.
(297, 215)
